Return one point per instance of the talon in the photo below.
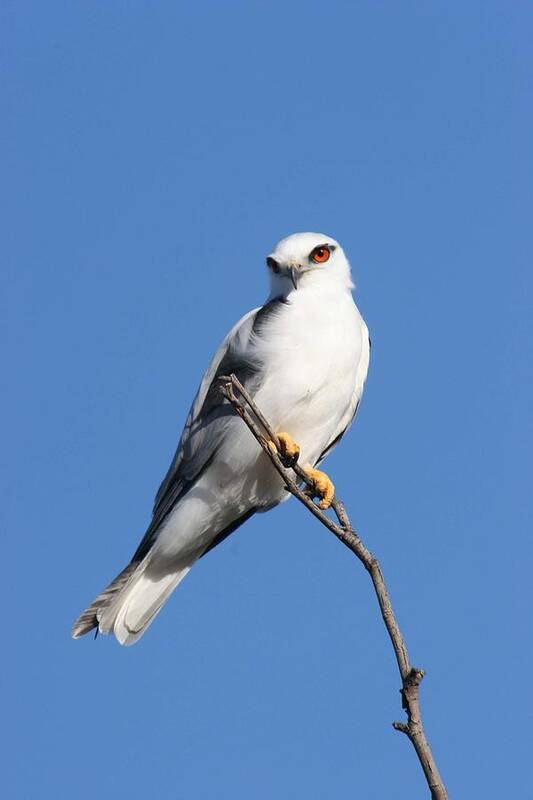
(322, 487)
(288, 452)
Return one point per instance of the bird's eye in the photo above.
(320, 254)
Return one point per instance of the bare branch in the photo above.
(411, 677)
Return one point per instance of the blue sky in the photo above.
(153, 152)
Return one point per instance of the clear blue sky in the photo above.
(152, 154)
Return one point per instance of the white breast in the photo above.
(315, 354)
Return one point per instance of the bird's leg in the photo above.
(288, 451)
(322, 486)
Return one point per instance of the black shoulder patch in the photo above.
(266, 313)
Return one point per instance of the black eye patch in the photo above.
(273, 265)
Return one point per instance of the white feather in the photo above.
(137, 605)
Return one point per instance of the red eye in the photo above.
(320, 254)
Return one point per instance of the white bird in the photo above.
(304, 357)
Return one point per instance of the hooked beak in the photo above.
(293, 272)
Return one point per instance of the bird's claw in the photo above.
(322, 486)
(288, 450)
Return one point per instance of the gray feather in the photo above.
(204, 430)
(209, 417)
(89, 618)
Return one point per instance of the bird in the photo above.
(303, 356)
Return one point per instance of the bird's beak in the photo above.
(293, 271)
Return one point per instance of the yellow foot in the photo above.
(322, 486)
(288, 451)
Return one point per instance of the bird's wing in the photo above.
(208, 417)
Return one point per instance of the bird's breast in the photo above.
(311, 355)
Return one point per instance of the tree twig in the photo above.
(411, 676)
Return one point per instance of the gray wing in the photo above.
(208, 418)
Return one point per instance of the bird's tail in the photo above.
(131, 601)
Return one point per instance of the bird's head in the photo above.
(304, 260)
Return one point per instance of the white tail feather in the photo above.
(137, 605)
